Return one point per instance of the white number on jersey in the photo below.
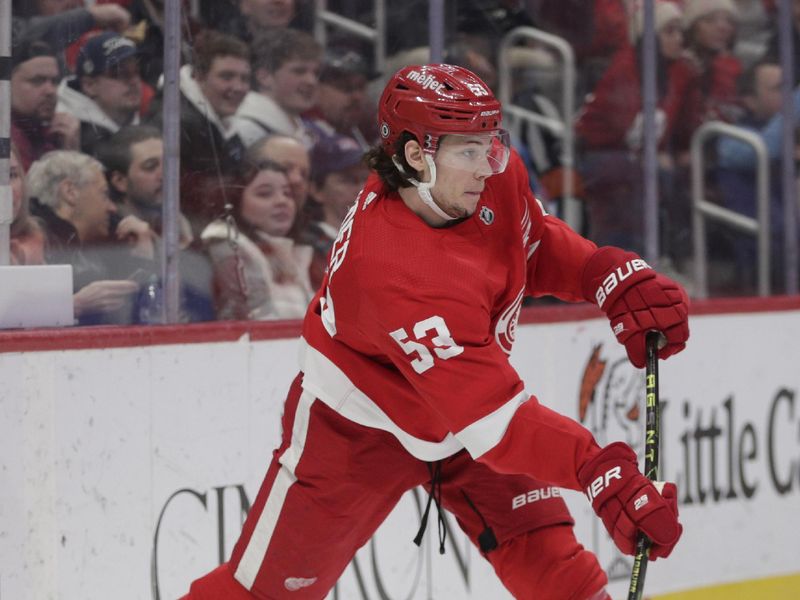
(445, 346)
(338, 253)
(342, 241)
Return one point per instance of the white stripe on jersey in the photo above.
(483, 435)
(256, 549)
(323, 379)
(329, 383)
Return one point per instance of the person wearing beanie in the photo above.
(609, 129)
(693, 10)
(710, 65)
(665, 12)
(710, 27)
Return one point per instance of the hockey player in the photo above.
(405, 375)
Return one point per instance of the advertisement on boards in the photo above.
(128, 471)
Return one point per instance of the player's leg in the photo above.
(549, 563)
(219, 583)
(329, 486)
(524, 529)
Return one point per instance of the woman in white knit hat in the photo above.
(710, 27)
(708, 61)
(609, 128)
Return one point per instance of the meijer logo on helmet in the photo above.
(426, 81)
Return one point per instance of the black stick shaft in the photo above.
(651, 445)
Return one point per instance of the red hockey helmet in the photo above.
(430, 101)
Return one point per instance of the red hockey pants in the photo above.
(331, 484)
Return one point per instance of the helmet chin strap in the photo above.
(424, 188)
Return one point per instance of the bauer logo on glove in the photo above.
(637, 299)
(602, 482)
(629, 503)
(616, 277)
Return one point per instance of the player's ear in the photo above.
(414, 157)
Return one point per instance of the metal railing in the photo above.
(562, 127)
(703, 209)
(323, 18)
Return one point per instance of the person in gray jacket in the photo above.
(286, 68)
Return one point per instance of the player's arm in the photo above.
(556, 254)
(635, 298)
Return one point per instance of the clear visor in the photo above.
(481, 153)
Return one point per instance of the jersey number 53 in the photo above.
(444, 345)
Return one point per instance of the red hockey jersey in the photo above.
(412, 327)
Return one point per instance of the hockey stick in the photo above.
(652, 434)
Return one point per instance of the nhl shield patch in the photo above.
(486, 215)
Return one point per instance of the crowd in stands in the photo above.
(274, 125)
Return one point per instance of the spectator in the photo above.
(294, 157)
(611, 116)
(133, 158)
(290, 154)
(760, 91)
(255, 18)
(710, 31)
(60, 26)
(756, 19)
(774, 44)
(710, 27)
(609, 130)
(106, 91)
(53, 7)
(147, 31)
(267, 14)
(29, 247)
(343, 103)
(36, 127)
(482, 26)
(599, 33)
(285, 76)
(27, 234)
(16, 181)
(71, 196)
(259, 272)
(211, 91)
(338, 173)
(487, 21)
